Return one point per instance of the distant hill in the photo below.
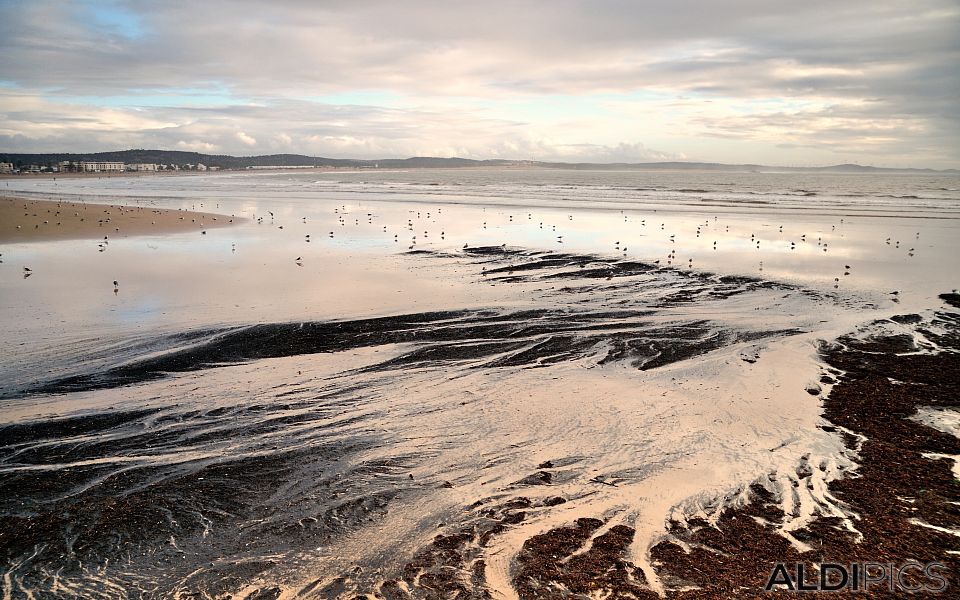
(419, 162)
(177, 157)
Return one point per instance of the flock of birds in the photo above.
(429, 221)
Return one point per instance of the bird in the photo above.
(27, 270)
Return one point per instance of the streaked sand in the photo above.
(28, 220)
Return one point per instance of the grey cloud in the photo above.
(257, 47)
(899, 52)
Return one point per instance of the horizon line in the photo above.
(506, 160)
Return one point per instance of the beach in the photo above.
(31, 220)
(476, 384)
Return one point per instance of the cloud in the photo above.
(246, 139)
(379, 76)
(196, 146)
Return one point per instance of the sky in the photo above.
(790, 83)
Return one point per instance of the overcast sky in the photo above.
(791, 83)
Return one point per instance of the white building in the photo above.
(90, 166)
(143, 167)
(201, 167)
(6, 167)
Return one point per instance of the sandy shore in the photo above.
(27, 220)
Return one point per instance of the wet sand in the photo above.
(896, 503)
(28, 220)
(899, 505)
(345, 398)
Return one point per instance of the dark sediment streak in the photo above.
(494, 338)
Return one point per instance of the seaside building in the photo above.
(201, 167)
(143, 167)
(89, 166)
(6, 167)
